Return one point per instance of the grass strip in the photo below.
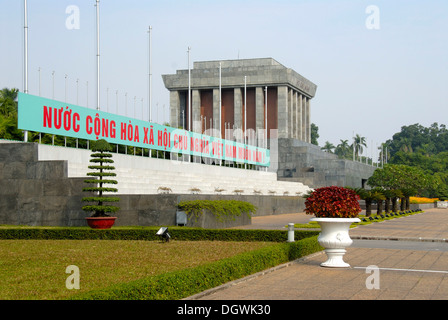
(184, 283)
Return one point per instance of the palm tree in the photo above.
(8, 128)
(369, 196)
(405, 202)
(406, 145)
(343, 149)
(388, 194)
(328, 147)
(8, 101)
(396, 194)
(8, 115)
(379, 197)
(359, 143)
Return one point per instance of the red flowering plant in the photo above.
(333, 202)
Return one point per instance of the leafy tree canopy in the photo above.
(403, 177)
(418, 139)
(314, 134)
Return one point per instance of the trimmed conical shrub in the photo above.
(101, 161)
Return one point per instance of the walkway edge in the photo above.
(397, 238)
(250, 277)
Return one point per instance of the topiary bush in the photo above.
(333, 202)
(101, 159)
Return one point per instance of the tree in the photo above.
(380, 198)
(8, 101)
(328, 147)
(396, 194)
(419, 139)
(369, 196)
(8, 128)
(438, 186)
(101, 160)
(359, 143)
(393, 176)
(388, 194)
(402, 180)
(406, 145)
(405, 202)
(343, 150)
(8, 115)
(314, 134)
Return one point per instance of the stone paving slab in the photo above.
(430, 225)
(401, 274)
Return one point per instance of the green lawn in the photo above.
(35, 269)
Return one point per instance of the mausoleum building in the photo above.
(253, 95)
(249, 94)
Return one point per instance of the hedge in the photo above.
(147, 233)
(184, 283)
(223, 210)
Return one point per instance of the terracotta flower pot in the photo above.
(101, 222)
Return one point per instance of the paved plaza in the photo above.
(399, 259)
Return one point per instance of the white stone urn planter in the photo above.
(334, 237)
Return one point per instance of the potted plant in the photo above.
(101, 160)
(335, 209)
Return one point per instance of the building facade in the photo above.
(238, 94)
(249, 94)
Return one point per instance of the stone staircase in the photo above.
(144, 175)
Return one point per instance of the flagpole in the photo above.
(220, 100)
(25, 133)
(266, 117)
(245, 109)
(245, 116)
(98, 54)
(189, 91)
(189, 98)
(150, 76)
(266, 120)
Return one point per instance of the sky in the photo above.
(376, 68)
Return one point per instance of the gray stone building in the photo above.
(299, 161)
(238, 94)
(246, 90)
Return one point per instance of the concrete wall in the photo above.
(157, 210)
(36, 192)
(40, 193)
(300, 161)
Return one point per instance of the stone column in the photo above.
(290, 114)
(196, 110)
(259, 114)
(259, 108)
(308, 119)
(282, 116)
(296, 115)
(174, 109)
(216, 108)
(238, 108)
(300, 116)
(304, 118)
